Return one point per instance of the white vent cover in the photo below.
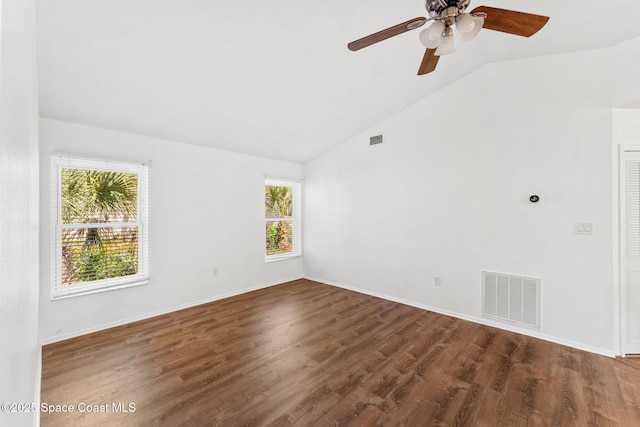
(375, 140)
(513, 299)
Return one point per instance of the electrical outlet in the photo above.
(437, 281)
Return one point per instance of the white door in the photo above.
(630, 251)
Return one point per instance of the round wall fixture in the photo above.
(534, 198)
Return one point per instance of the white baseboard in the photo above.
(96, 328)
(482, 321)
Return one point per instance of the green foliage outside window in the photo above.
(278, 204)
(98, 197)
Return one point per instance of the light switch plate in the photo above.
(585, 228)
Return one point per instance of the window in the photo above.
(99, 230)
(282, 219)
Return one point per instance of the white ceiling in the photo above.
(271, 78)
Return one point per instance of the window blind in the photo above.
(282, 219)
(99, 225)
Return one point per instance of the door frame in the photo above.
(620, 270)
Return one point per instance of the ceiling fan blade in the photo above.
(511, 21)
(429, 62)
(387, 33)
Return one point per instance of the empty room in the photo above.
(408, 213)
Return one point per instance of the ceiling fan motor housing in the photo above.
(446, 10)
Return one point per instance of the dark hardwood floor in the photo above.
(308, 354)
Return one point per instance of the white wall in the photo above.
(624, 75)
(18, 210)
(446, 195)
(206, 211)
(626, 126)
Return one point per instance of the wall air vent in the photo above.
(375, 140)
(511, 299)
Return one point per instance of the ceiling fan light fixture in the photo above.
(465, 23)
(426, 40)
(447, 45)
(478, 22)
(430, 37)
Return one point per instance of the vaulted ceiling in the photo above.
(273, 78)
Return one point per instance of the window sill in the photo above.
(281, 258)
(99, 290)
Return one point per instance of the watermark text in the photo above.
(116, 407)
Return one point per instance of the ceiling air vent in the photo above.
(512, 299)
(375, 140)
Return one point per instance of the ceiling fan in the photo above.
(438, 38)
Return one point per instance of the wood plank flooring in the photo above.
(308, 354)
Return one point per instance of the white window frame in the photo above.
(296, 221)
(58, 162)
